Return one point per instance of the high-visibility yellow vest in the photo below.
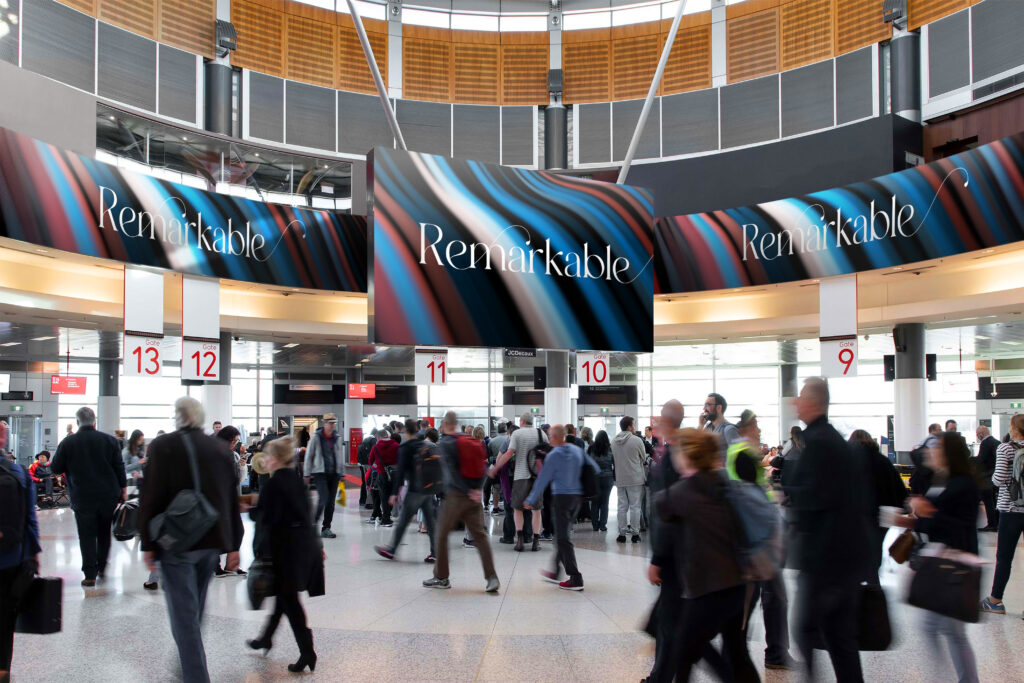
(734, 452)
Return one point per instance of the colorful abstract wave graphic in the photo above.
(55, 198)
(472, 254)
(973, 200)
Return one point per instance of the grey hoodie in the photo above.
(629, 454)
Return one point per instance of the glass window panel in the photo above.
(524, 23)
(474, 22)
(420, 17)
(668, 9)
(636, 15)
(585, 20)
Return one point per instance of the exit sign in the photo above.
(534, 410)
(605, 411)
(1016, 405)
(17, 409)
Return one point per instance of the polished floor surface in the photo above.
(378, 624)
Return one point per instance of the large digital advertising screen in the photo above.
(473, 254)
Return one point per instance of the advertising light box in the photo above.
(473, 254)
(66, 384)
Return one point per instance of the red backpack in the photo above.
(472, 458)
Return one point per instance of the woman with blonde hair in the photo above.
(284, 537)
(704, 541)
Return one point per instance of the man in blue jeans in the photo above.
(186, 575)
(562, 468)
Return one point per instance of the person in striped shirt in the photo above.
(1011, 517)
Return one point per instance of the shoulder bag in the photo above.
(189, 516)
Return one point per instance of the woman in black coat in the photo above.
(885, 488)
(284, 536)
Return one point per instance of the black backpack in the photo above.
(13, 513)
(429, 472)
(363, 454)
(535, 458)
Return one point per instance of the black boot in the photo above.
(536, 543)
(307, 656)
(260, 643)
(519, 542)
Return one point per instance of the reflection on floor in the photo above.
(377, 624)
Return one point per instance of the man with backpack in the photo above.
(743, 463)
(523, 441)
(363, 458)
(419, 464)
(564, 470)
(96, 481)
(325, 464)
(465, 465)
(19, 544)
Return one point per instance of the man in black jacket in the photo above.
(96, 480)
(834, 548)
(186, 575)
(985, 465)
(416, 498)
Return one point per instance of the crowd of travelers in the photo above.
(723, 515)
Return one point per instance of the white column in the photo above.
(353, 417)
(108, 413)
(216, 400)
(718, 44)
(910, 420)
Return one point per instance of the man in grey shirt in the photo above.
(521, 442)
(495, 447)
(713, 419)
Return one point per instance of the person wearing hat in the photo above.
(743, 463)
(324, 462)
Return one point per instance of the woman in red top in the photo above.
(383, 458)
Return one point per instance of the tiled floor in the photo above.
(378, 624)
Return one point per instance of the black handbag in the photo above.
(189, 516)
(874, 631)
(946, 586)
(40, 607)
(126, 515)
(260, 582)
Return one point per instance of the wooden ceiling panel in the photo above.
(859, 24)
(353, 72)
(189, 25)
(586, 67)
(921, 12)
(524, 74)
(260, 37)
(426, 69)
(137, 16)
(752, 45)
(86, 6)
(477, 74)
(311, 47)
(806, 33)
(634, 61)
(689, 63)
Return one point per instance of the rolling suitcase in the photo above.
(40, 609)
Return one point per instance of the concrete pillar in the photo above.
(353, 407)
(108, 404)
(556, 141)
(216, 396)
(910, 391)
(788, 388)
(905, 75)
(557, 404)
(217, 86)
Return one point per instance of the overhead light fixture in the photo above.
(42, 338)
(11, 344)
(113, 118)
(257, 153)
(290, 346)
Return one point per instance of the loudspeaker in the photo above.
(899, 339)
(889, 365)
(555, 81)
(540, 378)
(930, 370)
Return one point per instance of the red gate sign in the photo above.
(362, 390)
(63, 384)
(355, 439)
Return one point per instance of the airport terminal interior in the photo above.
(683, 339)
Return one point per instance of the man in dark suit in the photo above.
(985, 464)
(96, 480)
(186, 575)
(833, 546)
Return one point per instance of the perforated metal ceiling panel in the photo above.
(59, 43)
(594, 125)
(807, 98)
(266, 107)
(177, 84)
(309, 116)
(426, 126)
(361, 123)
(690, 122)
(517, 136)
(477, 133)
(854, 86)
(625, 116)
(126, 67)
(9, 38)
(949, 65)
(750, 112)
(997, 44)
